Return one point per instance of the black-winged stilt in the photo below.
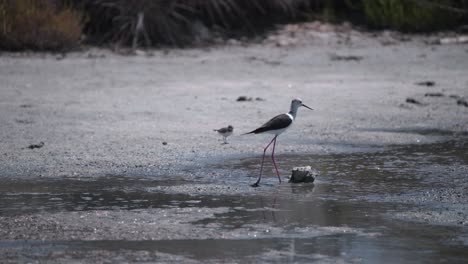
(276, 126)
(225, 132)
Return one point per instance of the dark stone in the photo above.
(303, 174)
(413, 101)
(164, 143)
(434, 94)
(243, 98)
(35, 146)
(426, 83)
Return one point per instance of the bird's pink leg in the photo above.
(273, 159)
(263, 159)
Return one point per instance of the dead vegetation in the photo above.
(38, 25)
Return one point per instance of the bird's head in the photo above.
(230, 128)
(296, 103)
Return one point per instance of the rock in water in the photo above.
(303, 174)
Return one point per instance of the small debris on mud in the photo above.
(266, 61)
(233, 42)
(410, 100)
(26, 106)
(454, 96)
(336, 57)
(61, 56)
(434, 94)
(24, 121)
(243, 98)
(426, 83)
(462, 102)
(297, 34)
(95, 56)
(164, 143)
(303, 174)
(454, 40)
(35, 146)
(405, 106)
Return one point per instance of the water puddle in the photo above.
(366, 207)
(107, 193)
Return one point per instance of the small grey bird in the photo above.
(225, 132)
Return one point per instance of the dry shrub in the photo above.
(38, 25)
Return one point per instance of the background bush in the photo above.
(181, 22)
(57, 24)
(413, 15)
(38, 25)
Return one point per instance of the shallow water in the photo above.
(364, 208)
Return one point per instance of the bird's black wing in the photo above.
(277, 122)
(222, 130)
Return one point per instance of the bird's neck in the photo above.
(293, 112)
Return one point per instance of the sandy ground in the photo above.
(101, 116)
(101, 113)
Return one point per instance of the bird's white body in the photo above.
(276, 132)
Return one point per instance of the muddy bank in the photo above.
(112, 114)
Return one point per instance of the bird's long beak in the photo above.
(307, 106)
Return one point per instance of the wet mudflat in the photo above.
(109, 158)
(392, 204)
